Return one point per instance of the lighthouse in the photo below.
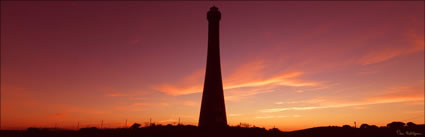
(213, 110)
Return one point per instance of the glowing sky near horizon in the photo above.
(292, 65)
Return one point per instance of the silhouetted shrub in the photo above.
(364, 126)
(274, 130)
(33, 129)
(410, 124)
(346, 126)
(89, 129)
(395, 125)
(373, 127)
(135, 125)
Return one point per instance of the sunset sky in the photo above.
(289, 65)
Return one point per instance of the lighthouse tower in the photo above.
(213, 110)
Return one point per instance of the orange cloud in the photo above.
(278, 116)
(269, 117)
(282, 79)
(176, 91)
(249, 75)
(188, 85)
(115, 95)
(394, 100)
(414, 94)
(238, 93)
(238, 90)
(251, 70)
(315, 100)
(386, 54)
(400, 94)
(415, 44)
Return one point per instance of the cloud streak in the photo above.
(115, 95)
(390, 98)
(415, 43)
(248, 76)
(393, 100)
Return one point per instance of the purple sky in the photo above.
(292, 65)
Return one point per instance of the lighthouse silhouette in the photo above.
(213, 110)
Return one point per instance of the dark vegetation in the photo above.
(394, 129)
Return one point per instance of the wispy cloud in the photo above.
(269, 117)
(115, 95)
(314, 100)
(190, 84)
(394, 100)
(279, 103)
(284, 79)
(249, 77)
(176, 90)
(415, 94)
(415, 43)
(238, 93)
(276, 116)
(381, 55)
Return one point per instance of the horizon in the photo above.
(289, 65)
